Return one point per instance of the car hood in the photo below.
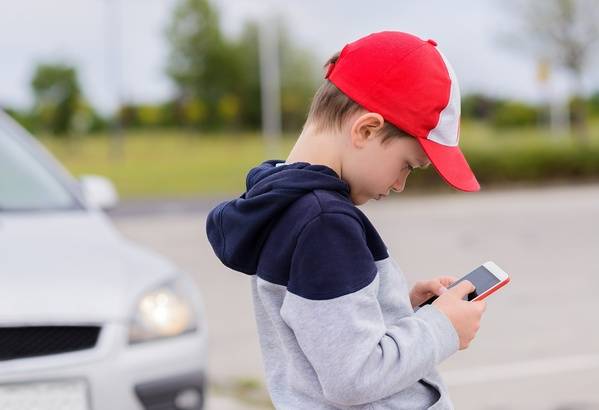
(71, 267)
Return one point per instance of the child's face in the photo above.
(373, 169)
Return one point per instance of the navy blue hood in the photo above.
(238, 228)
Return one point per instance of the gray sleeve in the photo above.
(357, 357)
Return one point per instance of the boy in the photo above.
(337, 325)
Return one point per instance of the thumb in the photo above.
(462, 289)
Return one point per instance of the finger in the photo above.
(463, 288)
(436, 287)
(447, 280)
(421, 286)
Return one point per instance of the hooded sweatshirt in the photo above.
(335, 323)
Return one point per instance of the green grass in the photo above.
(181, 164)
(169, 163)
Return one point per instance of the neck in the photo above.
(317, 148)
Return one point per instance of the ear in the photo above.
(365, 127)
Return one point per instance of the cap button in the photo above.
(433, 42)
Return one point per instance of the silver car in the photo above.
(88, 320)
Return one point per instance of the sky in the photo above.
(127, 60)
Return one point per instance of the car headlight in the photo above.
(163, 312)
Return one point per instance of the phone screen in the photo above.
(480, 277)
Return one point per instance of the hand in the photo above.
(465, 316)
(425, 289)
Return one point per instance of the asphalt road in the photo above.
(538, 346)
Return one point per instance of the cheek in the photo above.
(374, 180)
(359, 173)
(390, 174)
(371, 174)
(358, 199)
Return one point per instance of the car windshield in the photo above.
(26, 183)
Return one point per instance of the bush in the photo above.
(479, 107)
(515, 114)
(594, 104)
(525, 160)
(165, 162)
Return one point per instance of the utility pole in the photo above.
(113, 48)
(270, 84)
(556, 108)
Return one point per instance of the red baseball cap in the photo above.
(412, 85)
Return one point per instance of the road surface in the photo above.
(538, 346)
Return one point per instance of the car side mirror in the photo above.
(99, 192)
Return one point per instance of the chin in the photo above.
(360, 200)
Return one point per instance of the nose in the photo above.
(399, 185)
(400, 182)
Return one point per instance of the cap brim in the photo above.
(451, 164)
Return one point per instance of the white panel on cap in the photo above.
(447, 130)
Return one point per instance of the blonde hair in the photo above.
(330, 108)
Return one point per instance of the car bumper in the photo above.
(123, 376)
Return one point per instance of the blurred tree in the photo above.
(194, 111)
(127, 116)
(23, 117)
(57, 97)
(594, 104)
(509, 114)
(566, 32)
(300, 77)
(298, 71)
(247, 50)
(85, 119)
(219, 79)
(479, 106)
(202, 62)
(150, 115)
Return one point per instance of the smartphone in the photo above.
(487, 278)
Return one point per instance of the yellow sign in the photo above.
(543, 70)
